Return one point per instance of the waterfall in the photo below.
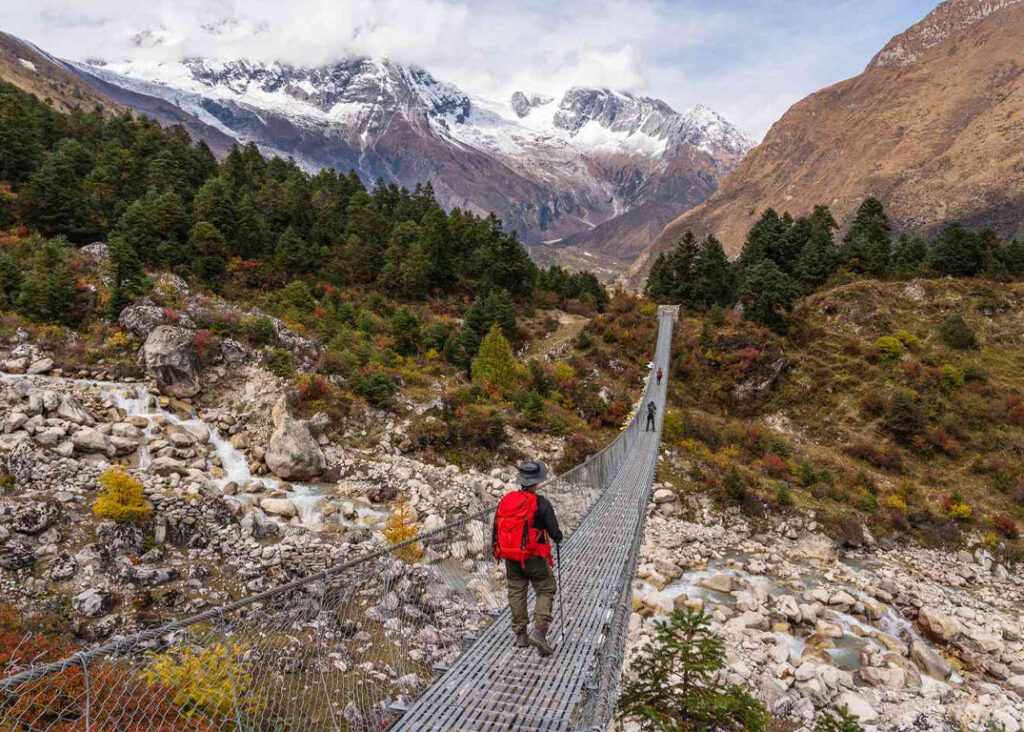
(135, 401)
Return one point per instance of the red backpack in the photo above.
(515, 537)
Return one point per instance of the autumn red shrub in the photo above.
(57, 702)
(774, 465)
(615, 413)
(1016, 416)
(202, 340)
(944, 442)
(313, 388)
(1005, 525)
(171, 315)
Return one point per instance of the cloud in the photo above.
(749, 60)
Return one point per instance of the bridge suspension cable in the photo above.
(414, 636)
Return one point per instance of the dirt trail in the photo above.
(569, 326)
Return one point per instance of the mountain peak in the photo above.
(945, 20)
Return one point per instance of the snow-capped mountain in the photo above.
(554, 168)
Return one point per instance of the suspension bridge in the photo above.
(415, 636)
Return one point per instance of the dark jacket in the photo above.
(544, 520)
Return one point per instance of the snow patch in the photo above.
(27, 64)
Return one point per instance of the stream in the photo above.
(847, 651)
(310, 499)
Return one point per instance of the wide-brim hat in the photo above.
(532, 472)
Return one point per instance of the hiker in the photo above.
(524, 527)
(659, 375)
(651, 410)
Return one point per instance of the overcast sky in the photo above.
(748, 59)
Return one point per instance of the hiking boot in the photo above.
(539, 640)
(522, 639)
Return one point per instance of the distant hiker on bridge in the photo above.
(652, 409)
(524, 527)
(659, 375)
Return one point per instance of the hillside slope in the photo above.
(934, 127)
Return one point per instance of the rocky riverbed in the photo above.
(908, 639)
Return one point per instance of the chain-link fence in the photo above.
(339, 650)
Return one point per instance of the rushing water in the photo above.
(858, 636)
(310, 499)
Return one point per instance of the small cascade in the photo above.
(136, 401)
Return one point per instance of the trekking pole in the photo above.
(561, 600)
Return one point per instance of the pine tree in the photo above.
(293, 253)
(10, 280)
(910, 256)
(867, 244)
(766, 239)
(487, 310)
(210, 252)
(674, 683)
(53, 201)
(956, 252)
(127, 277)
(767, 295)
(405, 329)
(716, 280)
(659, 280)
(1012, 256)
(683, 265)
(818, 260)
(494, 366)
(49, 291)
(839, 721)
(870, 222)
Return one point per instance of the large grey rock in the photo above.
(30, 517)
(170, 357)
(16, 554)
(284, 507)
(96, 252)
(857, 705)
(293, 452)
(143, 318)
(92, 602)
(40, 366)
(938, 626)
(64, 567)
(71, 409)
(929, 661)
(89, 440)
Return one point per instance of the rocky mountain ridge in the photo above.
(931, 128)
(549, 169)
(948, 18)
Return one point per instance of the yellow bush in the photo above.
(121, 499)
(402, 526)
(908, 339)
(210, 681)
(960, 511)
(648, 309)
(896, 503)
(563, 373)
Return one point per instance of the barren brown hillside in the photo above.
(934, 127)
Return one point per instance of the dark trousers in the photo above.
(650, 423)
(534, 571)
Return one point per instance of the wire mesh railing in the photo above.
(331, 651)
